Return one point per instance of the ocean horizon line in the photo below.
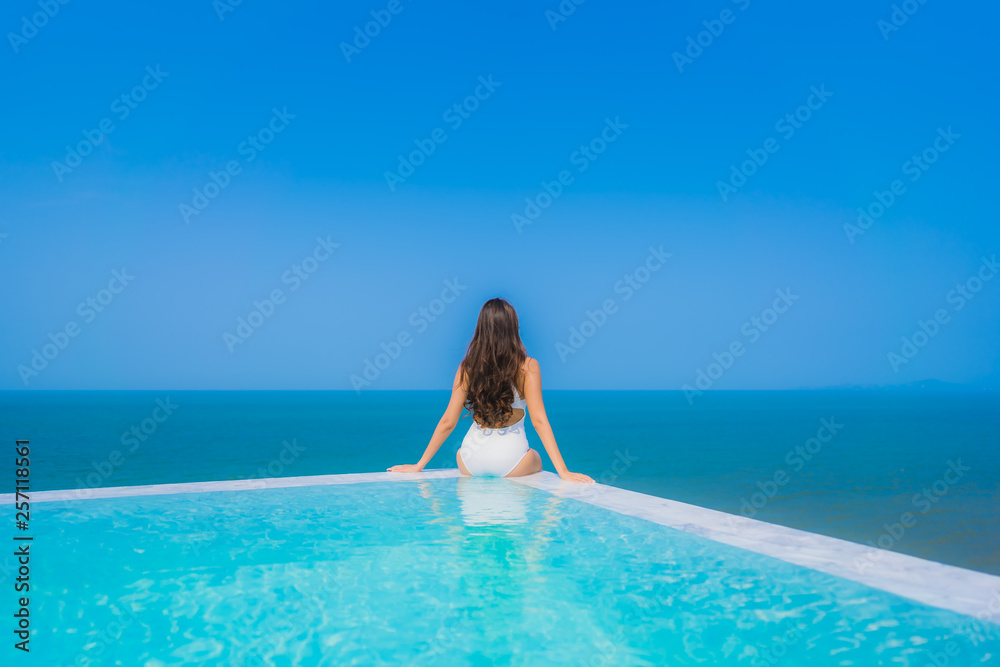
(936, 387)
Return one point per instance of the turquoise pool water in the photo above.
(444, 572)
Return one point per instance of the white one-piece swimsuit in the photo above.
(495, 452)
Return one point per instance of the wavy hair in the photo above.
(492, 363)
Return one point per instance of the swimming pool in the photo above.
(439, 570)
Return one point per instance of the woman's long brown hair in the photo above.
(492, 363)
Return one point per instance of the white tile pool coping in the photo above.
(935, 584)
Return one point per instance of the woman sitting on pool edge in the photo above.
(490, 382)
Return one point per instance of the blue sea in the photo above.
(912, 471)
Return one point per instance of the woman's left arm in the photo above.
(447, 424)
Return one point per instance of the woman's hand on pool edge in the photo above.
(406, 467)
(575, 477)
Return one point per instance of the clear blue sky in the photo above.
(672, 127)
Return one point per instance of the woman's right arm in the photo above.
(536, 409)
(444, 428)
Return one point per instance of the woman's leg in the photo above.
(461, 464)
(530, 464)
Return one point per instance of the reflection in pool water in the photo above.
(492, 501)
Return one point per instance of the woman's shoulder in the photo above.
(530, 365)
